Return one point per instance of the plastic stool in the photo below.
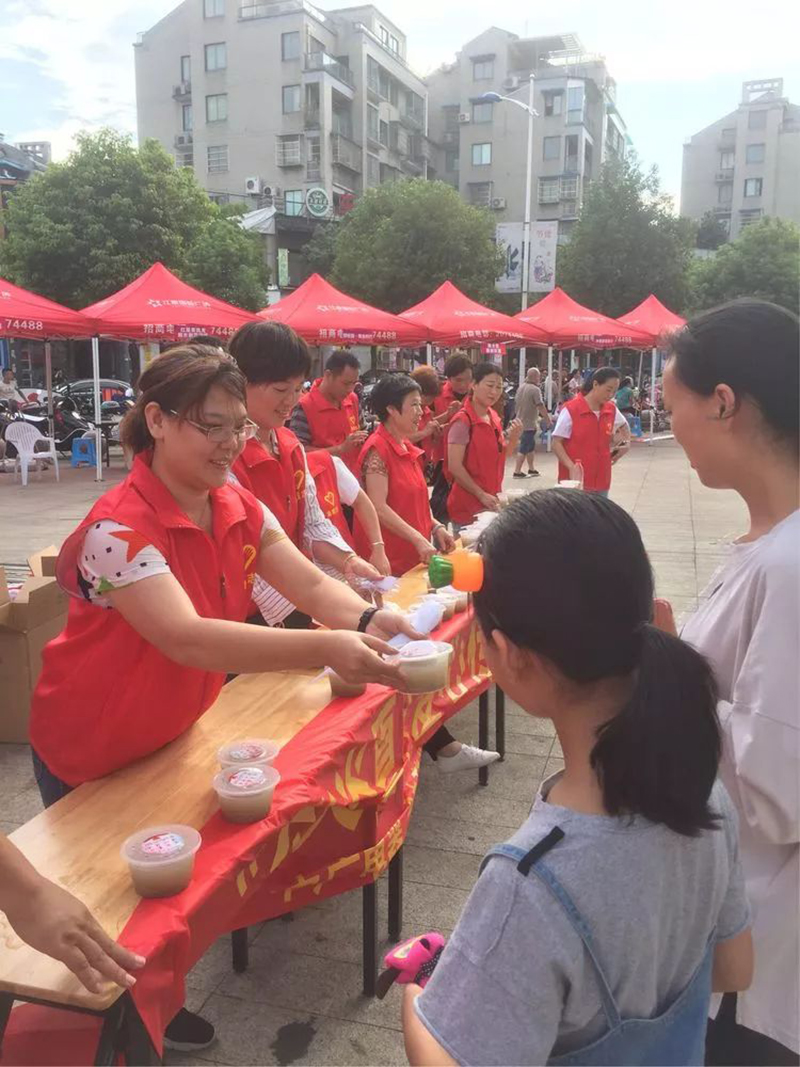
(84, 451)
(636, 426)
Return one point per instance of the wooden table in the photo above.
(76, 842)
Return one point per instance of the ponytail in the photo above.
(659, 756)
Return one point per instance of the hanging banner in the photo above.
(283, 267)
(544, 242)
(509, 239)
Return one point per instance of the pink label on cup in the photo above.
(246, 752)
(162, 845)
(248, 778)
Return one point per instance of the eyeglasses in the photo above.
(220, 435)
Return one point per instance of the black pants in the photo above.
(51, 788)
(440, 739)
(730, 1045)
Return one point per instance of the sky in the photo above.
(678, 65)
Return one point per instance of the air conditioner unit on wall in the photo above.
(498, 203)
(252, 186)
(463, 117)
(511, 83)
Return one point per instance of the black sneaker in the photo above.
(533, 474)
(188, 1033)
(519, 474)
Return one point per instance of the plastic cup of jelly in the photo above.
(245, 793)
(161, 859)
(424, 665)
(248, 752)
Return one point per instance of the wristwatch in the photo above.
(366, 619)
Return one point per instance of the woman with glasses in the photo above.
(477, 448)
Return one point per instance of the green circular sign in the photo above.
(318, 202)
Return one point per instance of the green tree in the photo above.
(320, 252)
(711, 234)
(764, 261)
(88, 226)
(403, 239)
(627, 243)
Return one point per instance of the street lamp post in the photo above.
(496, 98)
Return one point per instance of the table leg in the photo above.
(6, 1004)
(108, 1043)
(396, 896)
(137, 1049)
(483, 733)
(500, 721)
(369, 906)
(240, 952)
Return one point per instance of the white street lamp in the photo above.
(496, 98)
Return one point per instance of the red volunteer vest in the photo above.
(106, 696)
(323, 471)
(440, 405)
(484, 460)
(427, 444)
(590, 442)
(330, 425)
(280, 482)
(408, 496)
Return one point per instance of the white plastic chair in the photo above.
(24, 438)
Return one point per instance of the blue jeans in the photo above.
(527, 442)
(51, 788)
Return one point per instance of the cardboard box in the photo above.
(27, 623)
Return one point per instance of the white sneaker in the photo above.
(468, 759)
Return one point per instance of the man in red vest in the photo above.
(327, 415)
(586, 430)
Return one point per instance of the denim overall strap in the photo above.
(530, 861)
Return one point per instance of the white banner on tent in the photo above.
(509, 239)
(544, 242)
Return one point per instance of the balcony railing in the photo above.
(313, 170)
(314, 61)
(414, 120)
(724, 175)
(183, 140)
(270, 10)
(345, 153)
(450, 137)
(288, 153)
(311, 117)
(182, 91)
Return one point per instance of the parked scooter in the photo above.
(68, 423)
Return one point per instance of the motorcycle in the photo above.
(68, 423)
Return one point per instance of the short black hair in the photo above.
(390, 392)
(484, 369)
(601, 376)
(269, 352)
(208, 340)
(338, 361)
(658, 756)
(456, 364)
(750, 345)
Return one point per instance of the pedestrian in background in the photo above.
(584, 432)
(530, 410)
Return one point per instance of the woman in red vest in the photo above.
(327, 416)
(429, 433)
(273, 464)
(458, 372)
(477, 448)
(585, 433)
(392, 473)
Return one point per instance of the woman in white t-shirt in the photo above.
(740, 432)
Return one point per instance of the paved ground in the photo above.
(299, 1002)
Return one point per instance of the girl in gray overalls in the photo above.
(598, 932)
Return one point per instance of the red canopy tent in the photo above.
(158, 306)
(24, 314)
(568, 324)
(323, 315)
(652, 318)
(449, 317)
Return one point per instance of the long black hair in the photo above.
(658, 757)
(752, 346)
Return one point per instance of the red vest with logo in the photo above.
(440, 405)
(590, 442)
(323, 471)
(484, 460)
(279, 482)
(408, 496)
(106, 696)
(330, 425)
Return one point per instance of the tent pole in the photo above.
(653, 360)
(522, 354)
(549, 398)
(48, 384)
(560, 371)
(98, 431)
(429, 354)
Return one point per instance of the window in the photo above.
(288, 151)
(482, 112)
(726, 160)
(571, 153)
(394, 44)
(217, 107)
(755, 153)
(372, 123)
(548, 190)
(313, 159)
(752, 186)
(373, 170)
(480, 193)
(290, 48)
(217, 158)
(384, 134)
(553, 102)
(214, 9)
(575, 103)
(293, 201)
(482, 154)
(482, 70)
(383, 33)
(551, 148)
(187, 121)
(291, 99)
(384, 84)
(451, 162)
(216, 56)
(569, 188)
(186, 68)
(725, 193)
(757, 120)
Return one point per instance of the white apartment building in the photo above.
(746, 165)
